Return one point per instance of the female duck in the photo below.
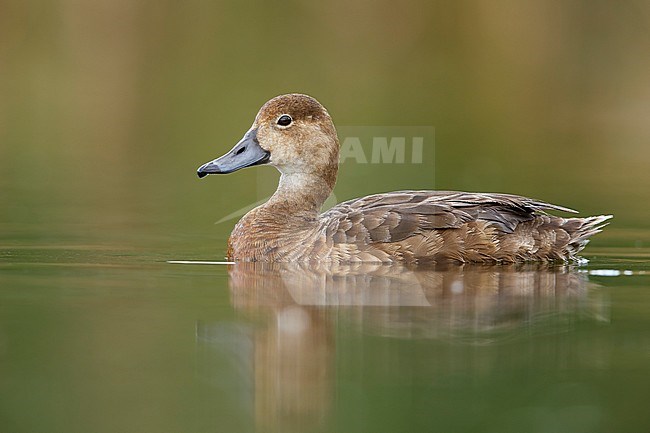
(295, 134)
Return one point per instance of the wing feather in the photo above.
(397, 216)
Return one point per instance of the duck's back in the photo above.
(435, 226)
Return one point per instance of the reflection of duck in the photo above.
(295, 134)
(301, 311)
(434, 299)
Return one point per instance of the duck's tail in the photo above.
(581, 229)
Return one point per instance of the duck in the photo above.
(296, 134)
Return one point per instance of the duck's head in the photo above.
(292, 132)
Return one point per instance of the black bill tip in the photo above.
(206, 169)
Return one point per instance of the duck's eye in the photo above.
(284, 120)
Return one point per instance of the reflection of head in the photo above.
(294, 369)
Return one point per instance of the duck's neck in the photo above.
(301, 193)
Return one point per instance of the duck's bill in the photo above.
(246, 153)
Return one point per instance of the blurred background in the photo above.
(108, 107)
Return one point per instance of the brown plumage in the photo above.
(296, 135)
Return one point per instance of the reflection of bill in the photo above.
(300, 306)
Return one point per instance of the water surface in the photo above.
(110, 338)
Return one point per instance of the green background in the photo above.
(107, 108)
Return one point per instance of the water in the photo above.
(111, 339)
